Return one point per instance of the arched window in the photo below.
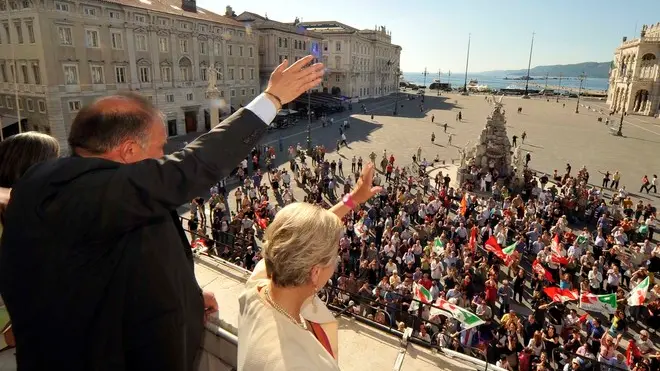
(648, 66)
(185, 69)
(648, 57)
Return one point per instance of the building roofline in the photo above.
(165, 6)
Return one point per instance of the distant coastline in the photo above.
(499, 81)
(590, 69)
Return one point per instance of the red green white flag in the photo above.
(438, 245)
(555, 245)
(467, 318)
(598, 303)
(560, 295)
(509, 249)
(639, 293)
(539, 269)
(421, 293)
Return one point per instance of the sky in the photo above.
(433, 34)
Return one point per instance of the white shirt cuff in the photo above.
(263, 108)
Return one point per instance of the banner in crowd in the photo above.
(421, 293)
(199, 246)
(472, 243)
(639, 293)
(598, 303)
(555, 245)
(509, 249)
(556, 252)
(467, 318)
(492, 246)
(632, 352)
(539, 269)
(438, 246)
(464, 204)
(560, 295)
(359, 228)
(581, 240)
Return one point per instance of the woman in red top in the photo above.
(491, 293)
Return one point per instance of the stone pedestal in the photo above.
(213, 95)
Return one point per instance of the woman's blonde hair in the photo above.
(301, 236)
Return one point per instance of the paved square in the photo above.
(556, 135)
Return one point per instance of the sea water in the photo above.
(498, 82)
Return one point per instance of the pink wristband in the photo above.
(348, 201)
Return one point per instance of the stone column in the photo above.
(132, 66)
(154, 47)
(213, 96)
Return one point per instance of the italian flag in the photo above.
(539, 269)
(492, 246)
(359, 228)
(422, 294)
(598, 303)
(560, 295)
(438, 245)
(508, 251)
(555, 245)
(581, 240)
(558, 259)
(467, 318)
(638, 294)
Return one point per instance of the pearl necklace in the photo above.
(301, 322)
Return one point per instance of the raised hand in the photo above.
(288, 82)
(363, 190)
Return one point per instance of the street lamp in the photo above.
(625, 101)
(309, 122)
(577, 105)
(398, 88)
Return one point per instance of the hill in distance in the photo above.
(591, 69)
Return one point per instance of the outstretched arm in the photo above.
(154, 187)
(362, 193)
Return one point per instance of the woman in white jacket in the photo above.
(283, 325)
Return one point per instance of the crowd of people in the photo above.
(420, 232)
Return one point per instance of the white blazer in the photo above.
(269, 341)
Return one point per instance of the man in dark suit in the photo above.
(95, 269)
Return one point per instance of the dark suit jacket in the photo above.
(95, 268)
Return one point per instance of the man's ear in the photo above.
(128, 151)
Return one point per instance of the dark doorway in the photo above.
(191, 122)
(207, 120)
(171, 127)
(335, 90)
(325, 89)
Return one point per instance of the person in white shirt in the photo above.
(436, 269)
(595, 279)
(575, 252)
(390, 267)
(643, 342)
(613, 279)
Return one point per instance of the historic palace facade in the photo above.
(360, 63)
(59, 55)
(635, 76)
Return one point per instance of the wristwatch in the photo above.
(347, 200)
